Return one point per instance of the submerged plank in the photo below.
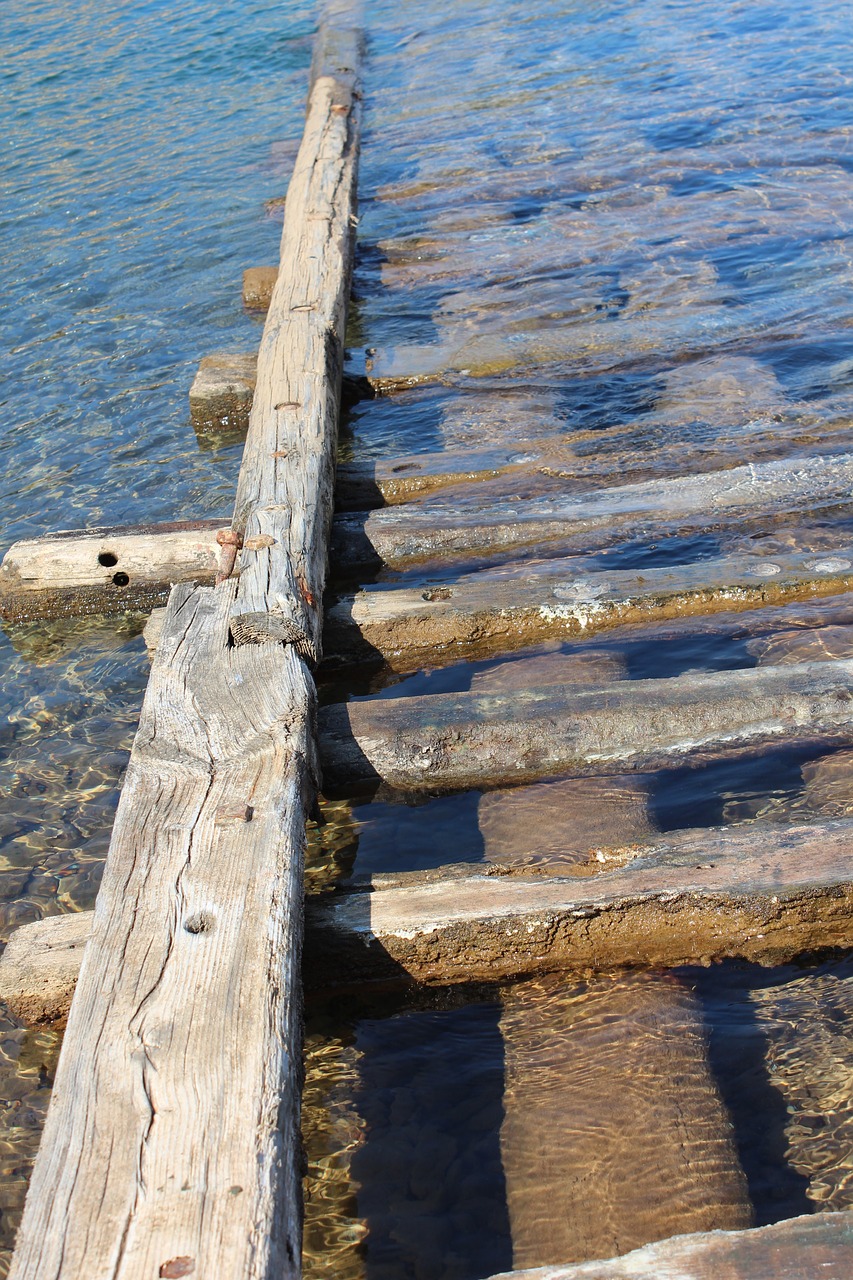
(223, 390)
(405, 535)
(186, 1019)
(816, 1244)
(493, 611)
(105, 570)
(759, 892)
(614, 1131)
(459, 740)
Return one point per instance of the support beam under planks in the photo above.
(475, 614)
(763, 892)
(403, 536)
(451, 741)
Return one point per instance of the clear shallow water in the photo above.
(625, 225)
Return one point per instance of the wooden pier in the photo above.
(172, 1145)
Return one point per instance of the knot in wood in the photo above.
(259, 542)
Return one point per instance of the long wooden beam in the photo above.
(459, 740)
(766, 893)
(117, 570)
(285, 490)
(172, 1143)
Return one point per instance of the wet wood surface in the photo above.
(504, 609)
(459, 740)
(407, 534)
(763, 892)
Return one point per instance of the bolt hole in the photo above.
(121, 579)
(107, 559)
(199, 923)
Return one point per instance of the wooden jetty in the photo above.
(172, 1144)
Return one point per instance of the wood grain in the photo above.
(285, 492)
(173, 1127)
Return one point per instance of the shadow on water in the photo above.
(738, 1050)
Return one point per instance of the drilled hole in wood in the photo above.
(199, 923)
(107, 559)
(121, 579)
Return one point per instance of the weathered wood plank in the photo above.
(449, 741)
(816, 1244)
(404, 535)
(283, 507)
(762, 893)
(106, 570)
(497, 611)
(186, 1019)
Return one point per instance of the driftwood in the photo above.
(488, 612)
(816, 1244)
(105, 570)
(763, 892)
(449, 741)
(404, 535)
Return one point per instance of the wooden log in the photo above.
(761, 893)
(501, 610)
(258, 284)
(459, 740)
(110, 570)
(816, 1244)
(401, 536)
(222, 391)
(186, 1019)
(283, 507)
(614, 1131)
